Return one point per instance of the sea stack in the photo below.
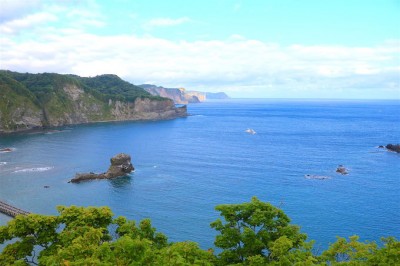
(342, 170)
(120, 166)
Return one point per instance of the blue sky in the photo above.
(247, 48)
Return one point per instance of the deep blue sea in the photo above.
(185, 167)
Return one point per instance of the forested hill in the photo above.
(114, 86)
(106, 86)
(39, 100)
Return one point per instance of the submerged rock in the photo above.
(120, 166)
(319, 177)
(393, 147)
(342, 170)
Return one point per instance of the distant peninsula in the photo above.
(181, 95)
(35, 101)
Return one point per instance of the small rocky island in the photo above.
(393, 147)
(342, 170)
(120, 166)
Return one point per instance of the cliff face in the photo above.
(182, 96)
(146, 109)
(178, 95)
(201, 96)
(69, 102)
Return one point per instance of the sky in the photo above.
(247, 48)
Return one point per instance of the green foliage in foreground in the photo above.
(252, 233)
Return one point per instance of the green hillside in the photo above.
(30, 101)
(15, 102)
(112, 86)
(102, 87)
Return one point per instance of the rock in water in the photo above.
(393, 147)
(318, 177)
(120, 166)
(342, 170)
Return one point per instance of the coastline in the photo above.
(180, 112)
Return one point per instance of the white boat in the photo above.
(250, 131)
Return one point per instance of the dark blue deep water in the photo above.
(185, 167)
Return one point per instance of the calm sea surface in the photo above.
(185, 167)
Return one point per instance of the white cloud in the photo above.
(235, 64)
(16, 25)
(32, 16)
(165, 22)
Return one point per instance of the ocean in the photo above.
(187, 166)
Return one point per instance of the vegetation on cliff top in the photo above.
(103, 87)
(30, 101)
(252, 233)
(113, 87)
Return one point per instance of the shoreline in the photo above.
(45, 129)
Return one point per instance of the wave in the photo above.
(36, 169)
(3, 163)
(5, 150)
(318, 177)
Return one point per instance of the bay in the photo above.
(185, 167)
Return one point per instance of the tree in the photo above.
(81, 236)
(252, 229)
(254, 234)
(354, 252)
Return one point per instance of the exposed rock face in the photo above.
(120, 166)
(342, 170)
(200, 96)
(182, 96)
(178, 95)
(393, 147)
(72, 105)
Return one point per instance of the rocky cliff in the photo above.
(181, 95)
(178, 95)
(200, 96)
(29, 101)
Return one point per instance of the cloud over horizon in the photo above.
(237, 64)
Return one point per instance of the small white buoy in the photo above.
(250, 131)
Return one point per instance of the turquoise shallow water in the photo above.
(185, 167)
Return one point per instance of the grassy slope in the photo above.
(13, 96)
